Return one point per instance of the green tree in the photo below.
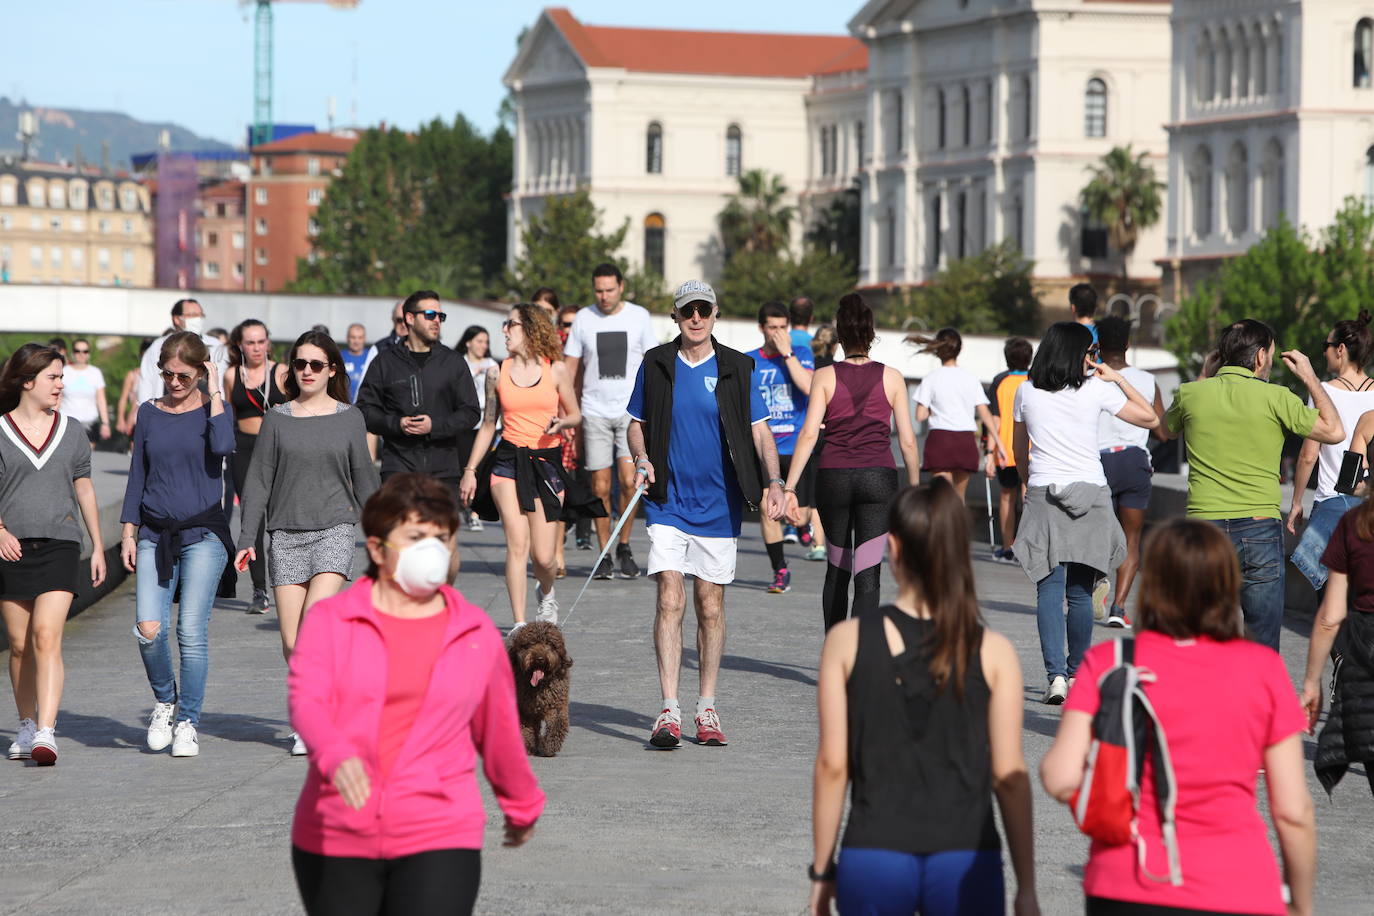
(1123, 195)
(987, 293)
(755, 219)
(755, 277)
(836, 229)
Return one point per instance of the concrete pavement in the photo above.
(114, 828)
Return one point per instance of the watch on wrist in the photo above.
(828, 875)
(777, 480)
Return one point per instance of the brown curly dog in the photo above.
(541, 662)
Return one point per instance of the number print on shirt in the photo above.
(777, 394)
(612, 354)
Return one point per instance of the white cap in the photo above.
(693, 291)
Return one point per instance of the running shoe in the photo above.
(789, 535)
(1057, 691)
(584, 542)
(298, 748)
(185, 743)
(518, 624)
(475, 523)
(629, 569)
(1003, 555)
(804, 536)
(44, 751)
(23, 741)
(708, 729)
(1101, 597)
(782, 582)
(816, 553)
(548, 606)
(604, 569)
(259, 604)
(1117, 618)
(160, 726)
(667, 730)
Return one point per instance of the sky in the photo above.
(191, 61)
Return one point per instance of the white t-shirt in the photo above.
(80, 389)
(611, 348)
(1063, 430)
(150, 376)
(1114, 433)
(952, 394)
(1351, 405)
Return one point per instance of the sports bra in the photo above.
(248, 402)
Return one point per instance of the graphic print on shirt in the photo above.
(612, 354)
(777, 394)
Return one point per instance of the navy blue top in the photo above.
(177, 468)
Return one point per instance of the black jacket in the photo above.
(1348, 736)
(396, 386)
(733, 391)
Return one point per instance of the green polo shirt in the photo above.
(1234, 426)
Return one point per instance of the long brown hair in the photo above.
(930, 524)
(337, 386)
(1189, 582)
(23, 366)
(945, 345)
(541, 338)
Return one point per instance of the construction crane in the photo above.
(262, 62)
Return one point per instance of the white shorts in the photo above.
(674, 550)
(602, 438)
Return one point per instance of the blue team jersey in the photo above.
(801, 340)
(353, 367)
(703, 493)
(785, 401)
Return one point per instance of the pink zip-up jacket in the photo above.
(430, 799)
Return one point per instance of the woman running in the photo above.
(954, 402)
(475, 345)
(857, 400)
(310, 477)
(176, 534)
(45, 479)
(524, 480)
(920, 710)
(255, 386)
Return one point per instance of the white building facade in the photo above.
(658, 125)
(1272, 114)
(983, 119)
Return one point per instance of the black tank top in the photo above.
(248, 402)
(919, 757)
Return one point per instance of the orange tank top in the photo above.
(526, 412)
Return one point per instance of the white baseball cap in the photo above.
(693, 291)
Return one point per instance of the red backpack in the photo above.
(1126, 730)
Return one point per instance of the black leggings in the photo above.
(1102, 906)
(425, 884)
(853, 503)
(238, 468)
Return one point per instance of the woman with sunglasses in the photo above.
(523, 480)
(255, 385)
(310, 476)
(475, 347)
(176, 533)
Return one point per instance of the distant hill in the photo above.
(62, 130)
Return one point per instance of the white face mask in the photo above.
(422, 567)
(195, 325)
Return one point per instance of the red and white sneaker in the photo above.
(708, 729)
(667, 730)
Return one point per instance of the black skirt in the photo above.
(47, 565)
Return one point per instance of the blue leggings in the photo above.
(881, 882)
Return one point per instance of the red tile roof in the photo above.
(763, 54)
(310, 143)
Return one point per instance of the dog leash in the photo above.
(639, 491)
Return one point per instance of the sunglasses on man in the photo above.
(431, 314)
(704, 309)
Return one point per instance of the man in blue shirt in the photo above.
(355, 358)
(782, 374)
(799, 315)
(699, 434)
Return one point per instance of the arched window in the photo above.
(1027, 108)
(653, 158)
(1274, 179)
(1364, 52)
(37, 193)
(1224, 65)
(987, 112)
(890, 236)
(1204, 83)
(1238, 191)
(734, 150)
(961, 204)
(1095, 109)
(1242, 55)
(940, 119)
(1261, 76)
(933, 231)
(1018, 218)
(654, 227)
(967, 123)
(1200, 186)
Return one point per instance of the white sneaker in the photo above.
(160, 726)
(511, 631)
(184, 741)
(548, 606)
(474, 523)
(23, 741)
(298, 748)
(44, 751)
(1057, 691)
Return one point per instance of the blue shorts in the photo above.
(1129, 476)
(882, 882)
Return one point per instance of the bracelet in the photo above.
(827, 876)
(792, 490)
(777, 480)
(642, 459)
(470, 468)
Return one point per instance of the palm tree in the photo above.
(1124, 196)
(755, 219)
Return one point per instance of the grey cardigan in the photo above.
(1073, 524)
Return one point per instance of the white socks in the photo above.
(705, 703)
(673, 707)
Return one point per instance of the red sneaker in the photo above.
(708, 729)
(667, 730)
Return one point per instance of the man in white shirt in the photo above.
(608, 342)
(187, 315)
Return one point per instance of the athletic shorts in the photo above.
(602, 438)
(1009, 478)
(806, 483)
(674, 550)
(1129, 477)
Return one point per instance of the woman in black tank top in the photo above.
(920, 709)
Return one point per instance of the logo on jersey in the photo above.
(710, 383)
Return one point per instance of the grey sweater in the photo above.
(307, 473)
(38, 486)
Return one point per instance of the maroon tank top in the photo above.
(858, 419)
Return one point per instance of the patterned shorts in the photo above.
(295, 557)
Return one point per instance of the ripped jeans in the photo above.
(198, 569)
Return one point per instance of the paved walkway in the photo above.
(116, 829)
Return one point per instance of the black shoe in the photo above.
(629, 569)
(604, 570)
(259, 604)
(584, 542)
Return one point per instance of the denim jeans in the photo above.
(1259, 545)
(198, 569)
(1073, 581)
(1307, 556)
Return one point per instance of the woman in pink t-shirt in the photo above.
(1228, 709)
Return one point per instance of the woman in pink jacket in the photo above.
(396, 686)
